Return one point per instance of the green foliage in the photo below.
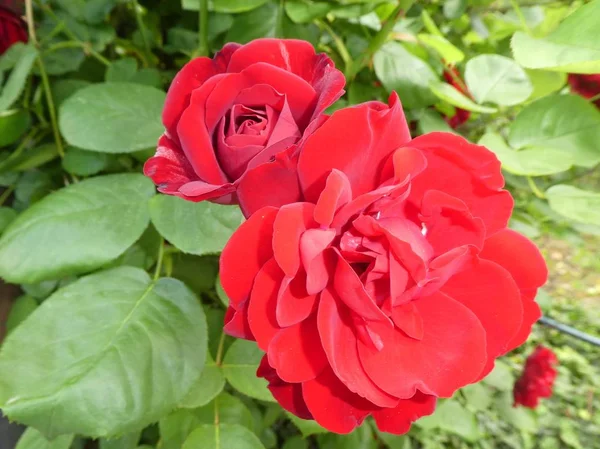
(118, 333)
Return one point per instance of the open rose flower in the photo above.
(588, 86)
(460, 116)
(12, 28)
(537, 379)
(228, 115)
(394, 282)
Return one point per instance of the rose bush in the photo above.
(228, 115)
(537, 378)
(392, 283)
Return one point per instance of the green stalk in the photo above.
(380, 38)
(142, 29)
(203, 28)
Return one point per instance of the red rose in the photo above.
(537, 379)
(393, 283)
(460, 116)
(226, 116)
(588, 86)
(12, 29)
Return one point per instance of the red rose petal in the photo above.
(408, 319)
(492, 295)
(270, 184)
(466, 171)
(337, 192)
(358, 141)
(339, 342)
(397, 420)
(288, 395)
(450, 355)
(529, 269)
(316, 261)
(291, 222)
(294, 304)
(236, 322)
(263, 300)
(168, 168)
(245, 253)
(296, 352)
(332, 405)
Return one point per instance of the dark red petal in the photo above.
(492, 295)
(333, 406)
(195, 138)
(291, 222)
(450, 355)
(263, 301)
(189, 78)
(519, 256)
(336, 194)
(296, 352)
(294, 304)
(397, 420)
(405, 164)
(245, 253)
(358, 141)
(449, 223)
(317, 262)
(351, 292)
(288, 395)
(339, 341)
(531, 313)
(236, 322)
(169, 169)
(270, 184)
(467, 171)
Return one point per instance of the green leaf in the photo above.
(121, 70)
(76, 229)
(453, 9)
(450, 94)
(545, 82)
(306, 427)
(176, 426)
(400, 70)
(575, 204)
(223, 436)
(231, 410)
(113, 117)
(23, 159)
(260, 22)
(198, 273)
(431, 121)
(239, 367)
(295, 442)
(478, 396)
(501, 377)
(361, 438)
(84, 163)
(64, 88)
(527, 162)
(127, 441)
(450, 53)
(16, 81)
(497, 79)
(563, 122)
(452, 417)
(143, 341)
(32, 439)
(574, 47)
(19, 311)
(7, 216)
(221, 293)
(300, 11)
(208, 386)
(13, 124)
(519, 417)
(195, 228)
(230, 6)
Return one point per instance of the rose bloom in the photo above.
(393, 282)
(12, 28)
(226, 116)
(537, 379)
(460, 115)
(587, 86)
